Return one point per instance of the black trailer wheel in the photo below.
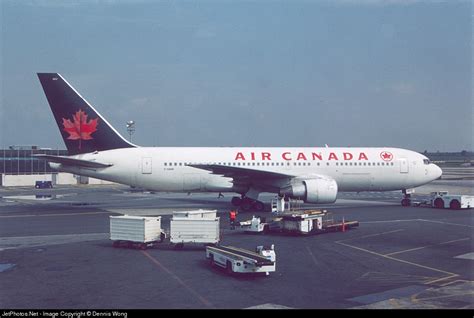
(455, 205)
(439, 203)
(406, 202)
(142, 246)
(229, 267)
(211, 260)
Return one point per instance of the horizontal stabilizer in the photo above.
(73, 162)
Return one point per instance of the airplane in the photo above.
(312, 174)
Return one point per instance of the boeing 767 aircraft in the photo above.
(314, 175)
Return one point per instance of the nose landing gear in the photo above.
(406, 201)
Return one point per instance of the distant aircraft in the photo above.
(314, 175)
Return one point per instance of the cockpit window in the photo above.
(426, 161)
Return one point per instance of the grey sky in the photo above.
(246, 73)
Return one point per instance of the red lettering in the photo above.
(252, 155)
(316, 155)
(285, 156)
(239, 156)
(332, 156)
(362, 156)
(266, 156)
(301, 156)
(347, 156)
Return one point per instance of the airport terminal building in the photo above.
(20, 167)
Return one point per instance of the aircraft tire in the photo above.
(236, 201)
(246, 204)
(258, 206)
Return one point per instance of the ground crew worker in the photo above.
(232, 216)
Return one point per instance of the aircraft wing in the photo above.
(241, 174)
(73, 161)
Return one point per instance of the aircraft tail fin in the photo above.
(83, 129)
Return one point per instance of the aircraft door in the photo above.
(403, 165)
(146, 165)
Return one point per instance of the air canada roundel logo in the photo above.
(386, 156)
(80, 128)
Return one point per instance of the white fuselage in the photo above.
(166, 168)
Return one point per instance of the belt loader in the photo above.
(239, 260)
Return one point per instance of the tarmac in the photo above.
(55, 253)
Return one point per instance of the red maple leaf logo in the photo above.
(80, 129)
(386, 156)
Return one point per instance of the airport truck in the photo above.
(136, 231)
(444, 200)
(239, 260)
(196, 226)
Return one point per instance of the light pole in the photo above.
(130, 128)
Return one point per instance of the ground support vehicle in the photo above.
(196, 226)
(136, 231)
(255, 225)
(43, 184)
(299, 223)
(444, 200)
(239, 260)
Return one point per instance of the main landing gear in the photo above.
(248, 204)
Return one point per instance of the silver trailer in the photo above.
(135, 231)
(197, 226)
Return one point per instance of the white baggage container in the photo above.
(139, 229)
(200, 226)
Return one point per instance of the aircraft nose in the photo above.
(436, 171)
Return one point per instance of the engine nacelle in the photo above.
(313, 190)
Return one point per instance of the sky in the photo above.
(395, 73)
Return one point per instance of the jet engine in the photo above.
(312, 190)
